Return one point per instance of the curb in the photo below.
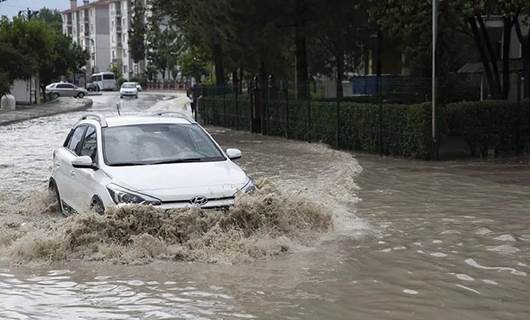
(86, 104)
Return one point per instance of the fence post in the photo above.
(287, 110)
(380, 88)
(236, 94)
(519, 141)
(214, 107)
(223, 92)
(252, 118)
(309, 125)
(337, 138)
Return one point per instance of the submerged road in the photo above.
(411, 240)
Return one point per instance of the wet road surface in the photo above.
(412, 240)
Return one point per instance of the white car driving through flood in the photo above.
(164, 160)
(129, 89)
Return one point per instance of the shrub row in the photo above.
(403, 130)
(502, 126)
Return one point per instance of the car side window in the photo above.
(61, 86)
(90, 144)
(76, 139)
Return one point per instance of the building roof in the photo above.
(91, 4)
(516, 65)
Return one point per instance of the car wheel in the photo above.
(97, 206)
(55, 95)
(54, 193)
(121, 97)
(81, 95)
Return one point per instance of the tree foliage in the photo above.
(35, 47)
(277, 37)
(165, 43)
(137, 32)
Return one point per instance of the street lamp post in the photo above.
(434, 39)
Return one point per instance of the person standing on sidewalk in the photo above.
(195, 92)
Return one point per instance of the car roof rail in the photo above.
(175, 114)
(99, 117)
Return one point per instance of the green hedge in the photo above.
(499, 125)
(406, 129)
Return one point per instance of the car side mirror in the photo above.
(84, 162)
(233, 154)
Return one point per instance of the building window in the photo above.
(113, 54)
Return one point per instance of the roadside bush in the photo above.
(498, 125)
(406, 129)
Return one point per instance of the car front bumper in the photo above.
(212, 204)
(128, 93)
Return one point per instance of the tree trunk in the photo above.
(302, 77)
(497, 92)
(525, 48)
(482, 51)
(526, 65)
(43, 89)
(340, 72)
(235, 81)
(240, 81)
(507, 37)
(218, 62)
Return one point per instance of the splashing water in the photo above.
(261, 225)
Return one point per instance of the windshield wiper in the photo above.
(127, 164)
(178, 161)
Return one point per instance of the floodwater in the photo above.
(410, 240)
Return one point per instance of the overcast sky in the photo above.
(12, 7)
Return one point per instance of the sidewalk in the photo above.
(61, 105)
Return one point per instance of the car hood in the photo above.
(181, 181)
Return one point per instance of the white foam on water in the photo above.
(467, 288)
(513, 271)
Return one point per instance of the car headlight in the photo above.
(249, 187)
(121, 195)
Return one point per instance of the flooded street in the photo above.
(410, 240)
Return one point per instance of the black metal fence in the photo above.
(379, 124)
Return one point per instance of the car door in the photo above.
(69, 90)
(61, 89)
(84, 179)
(63, 165)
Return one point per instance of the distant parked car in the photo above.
(128, 89)
(65, 89)
(92, 87)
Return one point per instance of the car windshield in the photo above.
(150, 144)
(128, 85)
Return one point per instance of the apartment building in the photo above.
(88, 26)
(101, 27)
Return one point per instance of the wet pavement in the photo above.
(412, 240)
(58, 106)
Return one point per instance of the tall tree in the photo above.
(137, 32)
(66, 58)
(338, 36)
(524, 40)
(165, 44)
(50, 17)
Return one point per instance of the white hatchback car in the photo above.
(166, 160)
(129, 89)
